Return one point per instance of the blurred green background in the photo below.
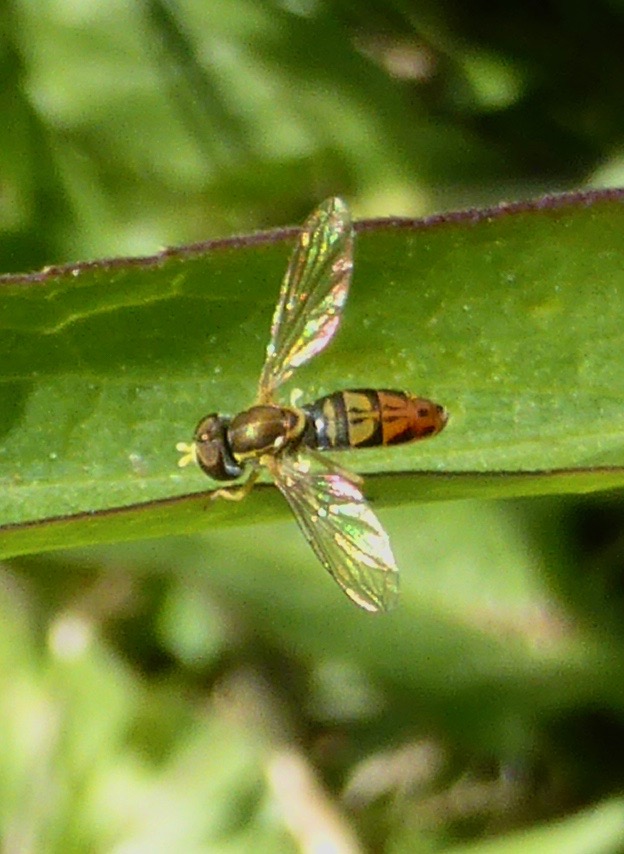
(219, 694)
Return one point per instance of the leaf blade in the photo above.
(511, 319)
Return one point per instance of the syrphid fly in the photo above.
(326, 500)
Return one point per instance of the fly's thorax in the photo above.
(361, 418)
(264, 429)
(212, 450)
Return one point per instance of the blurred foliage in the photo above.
(218, 694)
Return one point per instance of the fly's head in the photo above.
(210, 449)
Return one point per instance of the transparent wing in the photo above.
(312, 296)
(343, 531)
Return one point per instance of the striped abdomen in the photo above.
(363, 418)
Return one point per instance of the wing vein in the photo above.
(313, 294)
(345, 534)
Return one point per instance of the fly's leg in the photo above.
(296, 396)
(237, 493)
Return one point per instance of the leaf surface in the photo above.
(512, 318)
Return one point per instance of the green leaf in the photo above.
(598, 830)
(511, 318)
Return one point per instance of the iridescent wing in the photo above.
(312, 296)
(342, 529)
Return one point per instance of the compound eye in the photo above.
(212, 450)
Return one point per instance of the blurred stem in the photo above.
(308, 811)
(207, 116)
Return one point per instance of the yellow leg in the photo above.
(237, 493)
(296, 396)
